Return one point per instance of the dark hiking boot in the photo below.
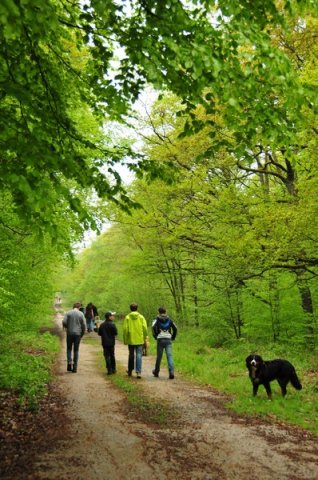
(171, 375)
(129, 373)
(155, 374)
(69, 367)
(74, 369)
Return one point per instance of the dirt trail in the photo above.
(203, 442)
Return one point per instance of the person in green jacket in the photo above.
(135, 334)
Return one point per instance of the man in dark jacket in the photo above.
(108, 332)
(164, 331)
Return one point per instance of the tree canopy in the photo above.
(66, 66)
(240, 131)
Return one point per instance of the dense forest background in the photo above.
(220, 220)
(227, 243)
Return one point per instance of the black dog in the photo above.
(263, 372)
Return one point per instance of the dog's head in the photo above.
(254, 361)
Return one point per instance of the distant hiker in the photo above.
(108, 332)
(135, 334)
(90, 314)
(165, 331)
(74, 322)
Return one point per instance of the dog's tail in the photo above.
(294, 380)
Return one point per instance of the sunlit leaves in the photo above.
(95, 58)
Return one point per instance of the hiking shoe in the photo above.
(69, 367)
(74, 369)
(129, 373)
(155, 374)
(171, 376)
(138, 374)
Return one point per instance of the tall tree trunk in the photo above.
(195, 300)
(175, 282)
(235, 307)
(274, 303)
(308, 309)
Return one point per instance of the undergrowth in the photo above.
(224, 369)
(26, 361)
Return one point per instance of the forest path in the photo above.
(106, 440)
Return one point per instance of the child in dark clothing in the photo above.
(108, 332)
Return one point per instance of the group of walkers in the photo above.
(135, 335)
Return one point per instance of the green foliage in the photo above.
(216, 244)
(52, 143)
(28, 265)
(104, 275)
(26, 361)
(64, 69)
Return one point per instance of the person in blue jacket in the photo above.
(164, 331)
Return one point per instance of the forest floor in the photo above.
(86, 430)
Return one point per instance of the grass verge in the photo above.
(147, 409)
(26, 363)
(224, 369)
